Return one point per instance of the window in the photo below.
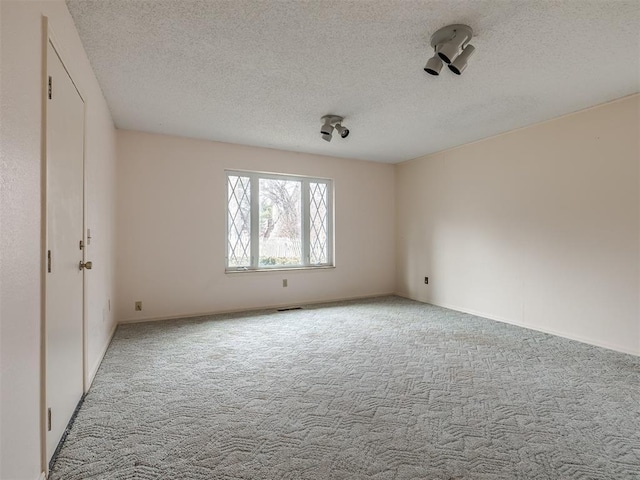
(278, 221)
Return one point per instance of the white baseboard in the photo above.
(94, 370)
(550, 331)
(252, 309)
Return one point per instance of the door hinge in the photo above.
(50, 87)
(48, 261)
(81, 245)
(48, 419)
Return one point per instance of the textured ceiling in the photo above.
(264, 72)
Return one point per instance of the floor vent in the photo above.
(286, 309)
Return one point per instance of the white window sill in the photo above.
(281, 269)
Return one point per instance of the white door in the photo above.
(65, 228)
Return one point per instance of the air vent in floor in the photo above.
(286, 309)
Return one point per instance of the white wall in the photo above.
(20, 220)
(171, 228)
(538, 227)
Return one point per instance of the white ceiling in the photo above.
(264, 72)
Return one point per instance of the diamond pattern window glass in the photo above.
(239, 221)
(278, 221)
(319, 230)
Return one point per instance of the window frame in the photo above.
(305, 233)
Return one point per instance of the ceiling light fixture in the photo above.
(331, 122)
(451, 46)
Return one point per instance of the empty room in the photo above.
(304, 240)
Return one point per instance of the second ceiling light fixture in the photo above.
(331, 122)
(451, 46)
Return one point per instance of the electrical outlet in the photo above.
(426, 280)
(285, 282)
(138, 306)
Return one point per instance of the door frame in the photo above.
(49, 37)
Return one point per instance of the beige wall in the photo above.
(20, 220)
(171, 228)
(538, 227)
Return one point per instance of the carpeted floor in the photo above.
(384, 388)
